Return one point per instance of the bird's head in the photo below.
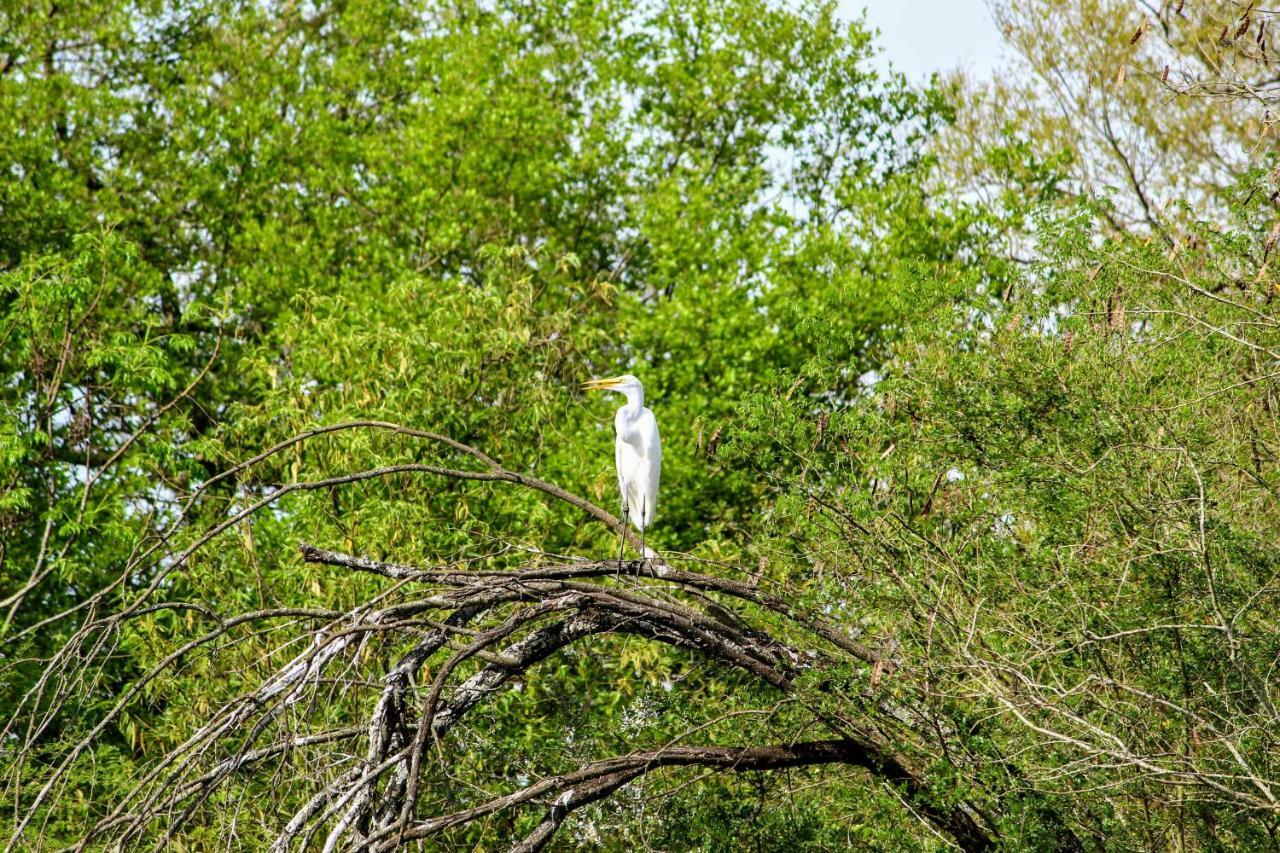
(624, 384)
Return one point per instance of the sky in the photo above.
(918, 37)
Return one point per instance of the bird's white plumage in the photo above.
(637, 451)
(638, 454)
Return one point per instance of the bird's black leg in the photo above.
(644, 552)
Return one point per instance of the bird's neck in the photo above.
(635, 401)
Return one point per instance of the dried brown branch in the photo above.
(477, 632)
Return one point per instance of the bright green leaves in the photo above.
(444, 217)
(1066, 486)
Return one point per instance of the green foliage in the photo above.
(1048, 488)
(1060, 505)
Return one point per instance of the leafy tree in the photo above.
(233, 224)
(1160, 108)
(307, 532)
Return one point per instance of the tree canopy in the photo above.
(308, 539)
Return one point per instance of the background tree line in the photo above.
(968, 523)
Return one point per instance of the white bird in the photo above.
(637, 452)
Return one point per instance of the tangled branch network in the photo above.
(458, 638)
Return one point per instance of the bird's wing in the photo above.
(649, 485)
(644, 434)
(618, 447)
(638, 455)
(650, 465)
(630, 470)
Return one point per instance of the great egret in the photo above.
(637, 452)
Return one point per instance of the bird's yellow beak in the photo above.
(600, 384)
